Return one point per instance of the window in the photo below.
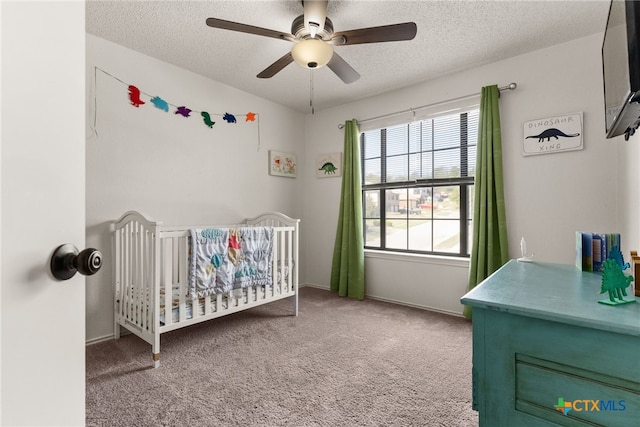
(417, 185)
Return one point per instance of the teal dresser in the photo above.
(541, 341)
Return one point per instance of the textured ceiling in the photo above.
(452, 36)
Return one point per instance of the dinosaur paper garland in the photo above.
(138, 98)
(135, 96)
(161, 104)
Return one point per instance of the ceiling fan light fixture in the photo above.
(312, 53)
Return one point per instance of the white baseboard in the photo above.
(392, 301)
(313, 285)
(421, 307)
(123, 332)
(99, 339)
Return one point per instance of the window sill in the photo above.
(419, 258)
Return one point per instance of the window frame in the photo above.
(464, 183)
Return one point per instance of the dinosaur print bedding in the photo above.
(223, 259)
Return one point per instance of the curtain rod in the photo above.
(510, 86)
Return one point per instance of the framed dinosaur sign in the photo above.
(329, 165)
(552, 135)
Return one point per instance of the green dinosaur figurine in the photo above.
(615, 282)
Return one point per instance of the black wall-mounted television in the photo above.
(621, 68)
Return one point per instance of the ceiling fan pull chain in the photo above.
(311, 91)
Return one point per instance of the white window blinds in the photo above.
(430, 111)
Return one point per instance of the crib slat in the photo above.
(283, 266)
(119, 271)
(132, 272)
(139, 275)
(166, 281)
(130, 275)
(152, 286)
(195, 308)
(289, 262)
(149, 285)
(154, 292)
(118, 299)
(276, 276)
(144, 297)
(207, 305)
(182, 278)
(130, 269)
(124, 300)
(239, 296)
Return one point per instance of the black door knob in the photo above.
(66, 261)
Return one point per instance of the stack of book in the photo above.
(592, 249)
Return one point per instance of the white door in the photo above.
(42, 73)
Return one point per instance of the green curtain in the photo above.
(490, 248)
(347, 268)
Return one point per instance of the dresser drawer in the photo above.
(587, 397)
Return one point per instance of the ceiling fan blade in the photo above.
(315, 11)
(343, 70)
(385, 33)
(249, 29)
(277, 66)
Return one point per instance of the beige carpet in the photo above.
(341, 362)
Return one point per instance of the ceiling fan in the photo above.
(314, 39)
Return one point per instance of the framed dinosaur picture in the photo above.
(329, 165)
(552, 135)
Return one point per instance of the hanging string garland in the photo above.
(135, 96)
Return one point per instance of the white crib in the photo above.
(151, 273)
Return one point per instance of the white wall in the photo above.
(627, 188)
(548, 197)
(171, 168)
